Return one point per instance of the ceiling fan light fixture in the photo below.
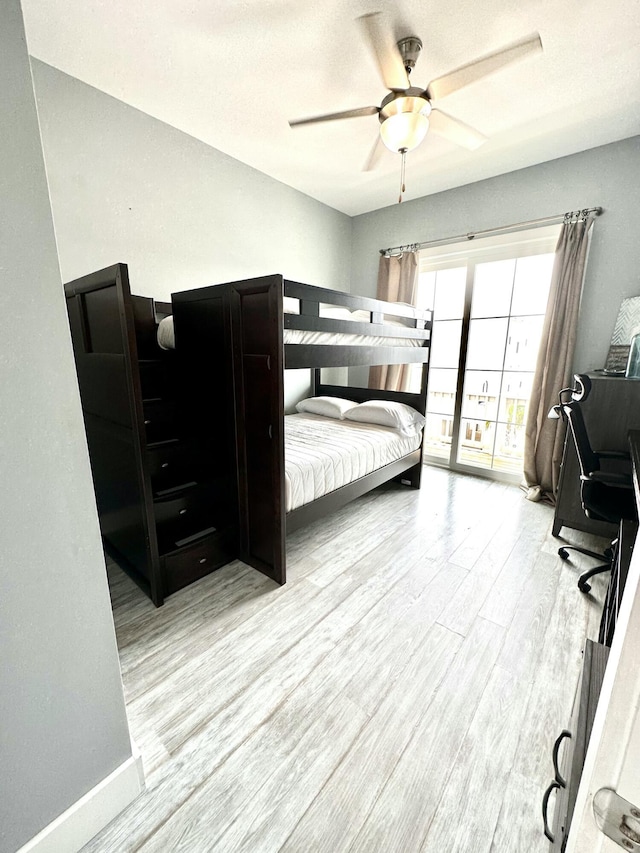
(404, 131)
(404, 120)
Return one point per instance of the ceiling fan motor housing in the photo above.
(409, 48)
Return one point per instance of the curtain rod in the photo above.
(546, 220)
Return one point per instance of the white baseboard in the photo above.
(91, 813)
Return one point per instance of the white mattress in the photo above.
(166, 337)
(323, 454)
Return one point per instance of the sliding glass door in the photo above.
(444, 291)
(488, 307)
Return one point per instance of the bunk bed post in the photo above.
(257, 345)
(316, 380)
(416, 472)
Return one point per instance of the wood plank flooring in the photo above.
(401, 692)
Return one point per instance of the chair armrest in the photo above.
(613, 454)
(609, 478)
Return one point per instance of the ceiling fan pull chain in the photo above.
(403, 152)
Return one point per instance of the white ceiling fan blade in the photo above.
(455, 130)
(382, 43)
(374, 155)
(466, 74)
(360, 111)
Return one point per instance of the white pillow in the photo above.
(165, 334)
(386, 413)
(330, 407)
(290, 305)
(335, 312)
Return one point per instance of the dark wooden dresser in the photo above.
(610, 411)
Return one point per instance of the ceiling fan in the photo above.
(407, 112)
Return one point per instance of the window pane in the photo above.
(442, 391)
(450, 288)
(514, 400)
(476, 442)
(509, 451)
(437, 436)
(445, 343)
(487, 339)
(492, 286)
(523, 343)
(414, 378)
(531, 289)
(426, 290)
(481, 394)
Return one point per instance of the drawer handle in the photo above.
(545, 805)
(556, 749)
(182, 512)
(203, 560)
(147, 422)
(165, 465)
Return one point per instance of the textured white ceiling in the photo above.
(232, 73)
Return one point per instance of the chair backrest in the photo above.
(587, 459)
(581, 387)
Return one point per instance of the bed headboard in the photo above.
(361, 395)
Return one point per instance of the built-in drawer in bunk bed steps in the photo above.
(262, 340)
(164, 513)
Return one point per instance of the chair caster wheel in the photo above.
(584, 587)
(562, 552)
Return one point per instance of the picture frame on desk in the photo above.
(627, 324)
(617, 358)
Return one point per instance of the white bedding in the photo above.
(323, 454)
(299, 336)
(166, 337)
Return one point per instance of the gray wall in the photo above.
(127, 187)
(608, 176)
(63, 727)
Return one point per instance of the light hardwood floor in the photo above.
(400, 693)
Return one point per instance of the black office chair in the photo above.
(605, 495)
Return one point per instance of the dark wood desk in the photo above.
(634, 450)
(612, 729)
(568, 771)
(610, 411)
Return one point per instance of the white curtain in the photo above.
(397, 282)
(544, 438)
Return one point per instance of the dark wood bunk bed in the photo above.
(164, 510)
(248, 318)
